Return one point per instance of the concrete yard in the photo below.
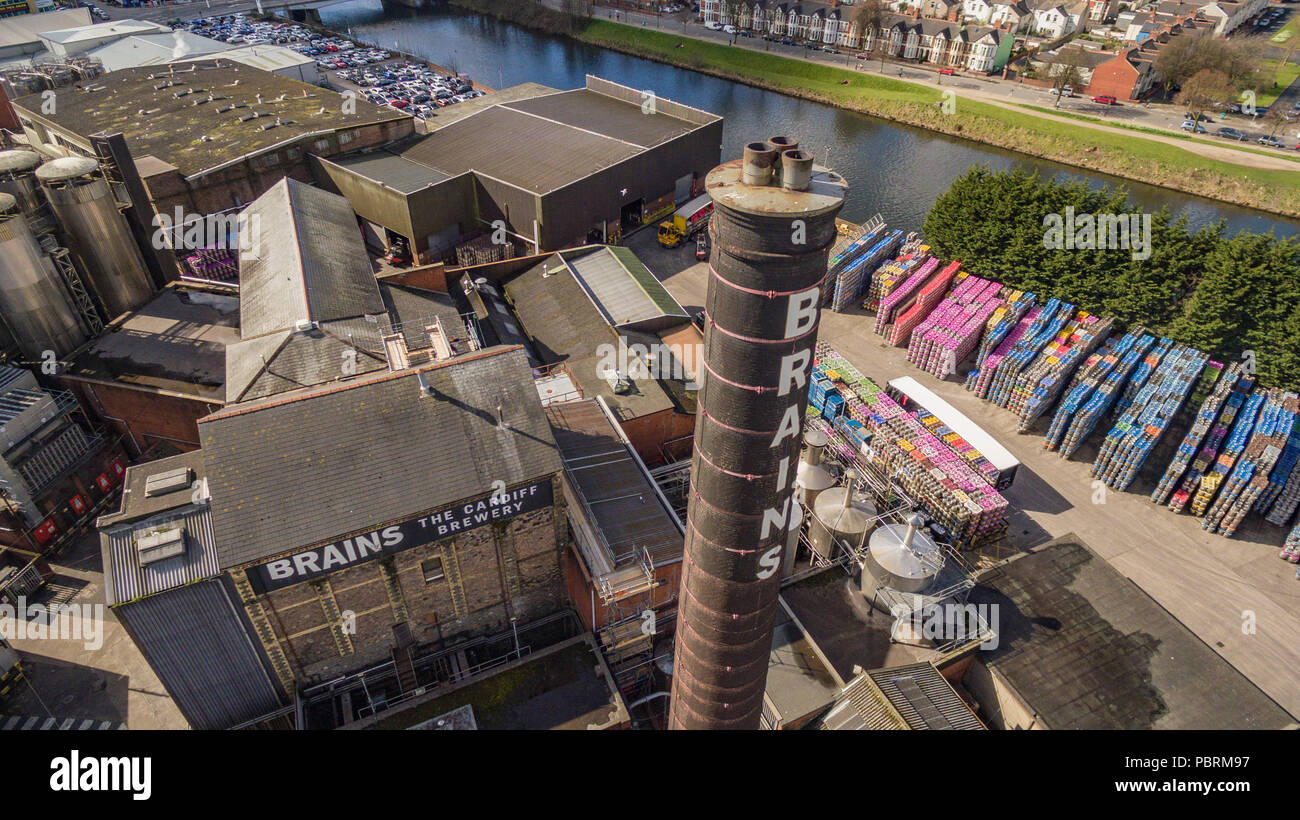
(1235, 593)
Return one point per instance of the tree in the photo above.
(869, 18)
(1203, 90)
(1066, 69)
(1184, 56)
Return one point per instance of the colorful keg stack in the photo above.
(946, 483)
(953, 329)
(979, 379)
(928, 297)
(1287, 500)
(1191, 450)
(1040, 385)
(1130, 441)
(1053, 317)
(1209, 452)
(1249, 477)
(960, 446)
(1242, 425)
(888, 277)
(1141, 373)
(1282, 471)
(1090, 375)
(904, 294)
(213, 265)
(845, 285)
(1291, 549)
(1089, 416)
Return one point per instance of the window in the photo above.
(347, 136)
(293, 153)
(320, 146)
(432, 569)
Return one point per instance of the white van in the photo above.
(713, 26)
(729, 29)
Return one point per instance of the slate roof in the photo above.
(1086, 648)
(310, 263)
(309, 466)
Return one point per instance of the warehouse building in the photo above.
(374, 492)
(212, 135)
(154, 372)
(557, 168)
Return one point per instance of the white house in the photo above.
(1054, 18)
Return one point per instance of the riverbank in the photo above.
(1115, 151)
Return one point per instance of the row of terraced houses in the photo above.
(910, 37)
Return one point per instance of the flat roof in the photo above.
(987, 446)
(1086, 648)
(172, 126)
(394, 171)
(28, 28)
(566, 686)
(176, 343)
(799, 683)
(620, 497)
(96, 31)
(153, 49)
(442, 117)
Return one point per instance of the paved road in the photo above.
(1210, 583)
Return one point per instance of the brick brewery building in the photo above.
(380, 512)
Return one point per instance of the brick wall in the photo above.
(489, 574)
(143, 418)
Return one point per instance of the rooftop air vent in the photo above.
(168, 482)
(159, 545)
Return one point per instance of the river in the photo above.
(894, 170)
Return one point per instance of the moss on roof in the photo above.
(166, 112)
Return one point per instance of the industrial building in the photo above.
(587, 310)
(20, 36)
(212, 135)
(57, 468)
(558, 168)
(376, 507)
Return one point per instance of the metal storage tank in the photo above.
(812, 478)
(901, 557)
(18, 177)
(98, 233)
(33, 302)
(842, 514)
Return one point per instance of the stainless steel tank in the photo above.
(901, 557)
(97, 233)
(33, 301)
(812, 478)
(18, 177)
(840, 514)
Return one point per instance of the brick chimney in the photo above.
(916, 12)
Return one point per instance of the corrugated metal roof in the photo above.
(532, 153)
(311, 262)
(27, 28)
(621, 297)
(915, 696)
(303, 468)
(604, 115)
(155, 49)
(124, 578)
(626, 508)
(396, 172)
(202, 654)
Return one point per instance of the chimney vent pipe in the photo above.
(796, 170)
(760, 159)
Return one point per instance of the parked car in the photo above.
(1232, 134)
(948, 71)
(1104, 99)
(745, 33)
(1270, 142)
(788, 41)
(831, 50)
(1189, 125)
(713, 26)
(1197, 117)
(729, 29)
(702, 246)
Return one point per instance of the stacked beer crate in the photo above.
(1282, 472)
(889, 276)
(951, 332)
(1086, 379)
(1287, 500)
(901, 311)
(853, 277)
(987, 359)
(1049, 323)
(945, 483)
(1131, 439)
(1242, 424)
(1191, 453)
(1040, 385)
(1249, 477)
(960, 446)
(1088, 416)
(1141, 373)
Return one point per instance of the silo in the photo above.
(840, 514)
(32, 299)
(813, 477)
(772, 227)
(18, 177)
(87, 210)
(901, 557)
